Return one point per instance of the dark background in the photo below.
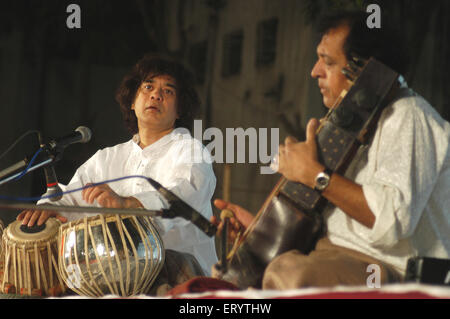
(54, 79)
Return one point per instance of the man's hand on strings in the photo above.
(298, 161)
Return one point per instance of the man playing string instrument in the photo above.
(392, 203)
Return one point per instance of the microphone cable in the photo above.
(20, 139)
(29, 165)
(33, 199)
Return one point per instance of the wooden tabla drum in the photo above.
(110, 254)
(30, 259)
(2, 228)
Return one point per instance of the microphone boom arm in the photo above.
(81, 209)
(21, 165)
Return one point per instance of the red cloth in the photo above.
(201, 284)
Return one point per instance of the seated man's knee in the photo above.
(288, 271)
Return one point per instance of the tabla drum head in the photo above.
(23, 234)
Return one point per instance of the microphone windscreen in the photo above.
(85, 132)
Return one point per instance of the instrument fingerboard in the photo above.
(333, 144)
(347, 126)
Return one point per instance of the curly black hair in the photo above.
(384, 44)
(188, 101)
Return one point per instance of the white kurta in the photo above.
(169, 161)
(405, 175)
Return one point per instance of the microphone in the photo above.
(81, 135)
(50, 177)
(52, 184)
(178, 208)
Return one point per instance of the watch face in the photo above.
(322, 181)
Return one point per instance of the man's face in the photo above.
(331, 60)
(155, 104)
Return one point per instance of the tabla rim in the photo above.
(13, 233)
(93, 221)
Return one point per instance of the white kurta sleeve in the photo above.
(194, 183)
(408, 162)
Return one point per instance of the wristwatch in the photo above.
(323, 179)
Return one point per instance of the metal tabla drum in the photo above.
(110, 254)
(30, 259)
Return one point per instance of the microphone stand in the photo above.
(82, 209)
(52, 155)
(163, 213)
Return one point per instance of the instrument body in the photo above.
(30, 260)
(110, 254)
(291, 216)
